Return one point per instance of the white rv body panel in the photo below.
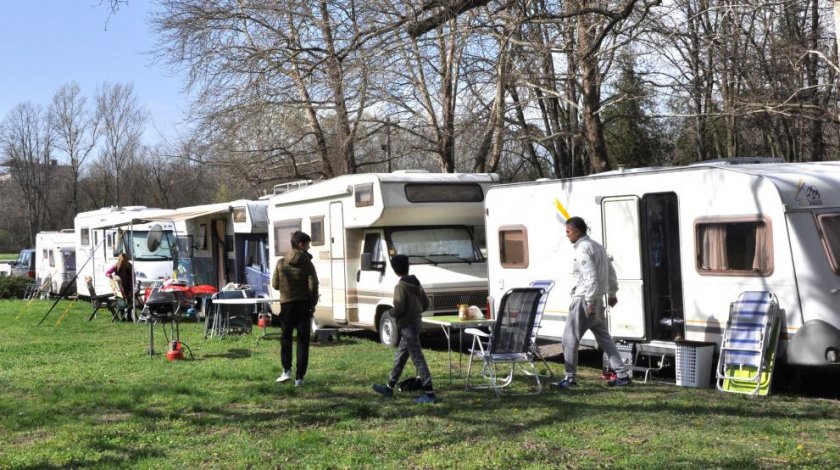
(373, 214)
(55, 254)
(98, 233)
(670, 291)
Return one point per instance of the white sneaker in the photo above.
(287, 375)
(298, 383)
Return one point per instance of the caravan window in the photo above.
(513, 247)
(85, 237)
(69, 260)
(440, 192)
(364, 194)
(317, 230)
(51, 258)
(734, 247)
(373, 246)
(283, 236)
(829, 225)
(239, 215)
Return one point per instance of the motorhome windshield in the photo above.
(140, 246)
(434, 245)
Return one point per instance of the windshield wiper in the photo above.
(453, 256)
(423, 258)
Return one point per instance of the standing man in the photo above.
(594, 278)
(294, 276)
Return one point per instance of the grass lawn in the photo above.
(8, 256)
(87, 394)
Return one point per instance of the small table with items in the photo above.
(220, 325)
(453, 322)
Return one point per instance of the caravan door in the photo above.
(337, 263)
(623, 242)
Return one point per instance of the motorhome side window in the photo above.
(85, 237)
(239, 215)
(283, 236)
(363, 194)
(434, 192)
(373, 246)
(317, 231)
(513, 247)
(829, 225)
(51, 258)
(740, 247)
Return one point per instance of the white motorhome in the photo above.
(685, 242)
(357, 222)
(101, 235)
(222, 243)
(55, 261)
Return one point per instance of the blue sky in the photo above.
(47, 43)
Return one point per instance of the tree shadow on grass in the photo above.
(235, 353)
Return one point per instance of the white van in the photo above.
(685, 242)
(55, 261)
(358, 222)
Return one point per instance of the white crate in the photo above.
(694, 364)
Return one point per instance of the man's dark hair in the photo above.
(300, 237)
(400, 264)
(578, 224)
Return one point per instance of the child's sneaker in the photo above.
(384, 390)
(426, 397)
(298, 383)
(620, 382)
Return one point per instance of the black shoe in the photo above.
(620, 382)
(384, 390)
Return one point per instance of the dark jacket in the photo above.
(410, 302)
(295, 277)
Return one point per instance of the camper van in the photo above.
(357, 222)
(223, 243)
(55, 261)
(102, 235)
(685, 242)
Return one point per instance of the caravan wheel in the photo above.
(388, 331)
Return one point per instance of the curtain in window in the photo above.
(760, 259)
(714, 248)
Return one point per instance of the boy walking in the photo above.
(410, 302)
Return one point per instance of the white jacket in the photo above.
(593, 271)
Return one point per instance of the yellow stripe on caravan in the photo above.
(561, 209)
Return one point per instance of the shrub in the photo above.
(13, 287)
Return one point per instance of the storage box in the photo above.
(694, 364)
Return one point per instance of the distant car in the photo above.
(25, 264)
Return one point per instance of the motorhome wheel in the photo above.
(388, 331)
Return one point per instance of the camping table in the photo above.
(452, 322)
(220, 320)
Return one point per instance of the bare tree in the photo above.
(123, 120)
(27, 144)
(76, 132)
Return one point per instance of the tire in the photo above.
(389, 334)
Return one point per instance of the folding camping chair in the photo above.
(99, 301)
(122, 306)
(748, 349)
(512, 341)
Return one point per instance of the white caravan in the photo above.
(357, 222)
(222, 243)
(685, 242)
(101, 235)
(55, 261)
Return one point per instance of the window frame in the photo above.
(832, 261)
(279, 226)
(768, 243)
(318, 238)
(523, 230)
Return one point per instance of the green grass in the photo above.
(8, 256)
(82, 394)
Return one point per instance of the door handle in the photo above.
(358, 275)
